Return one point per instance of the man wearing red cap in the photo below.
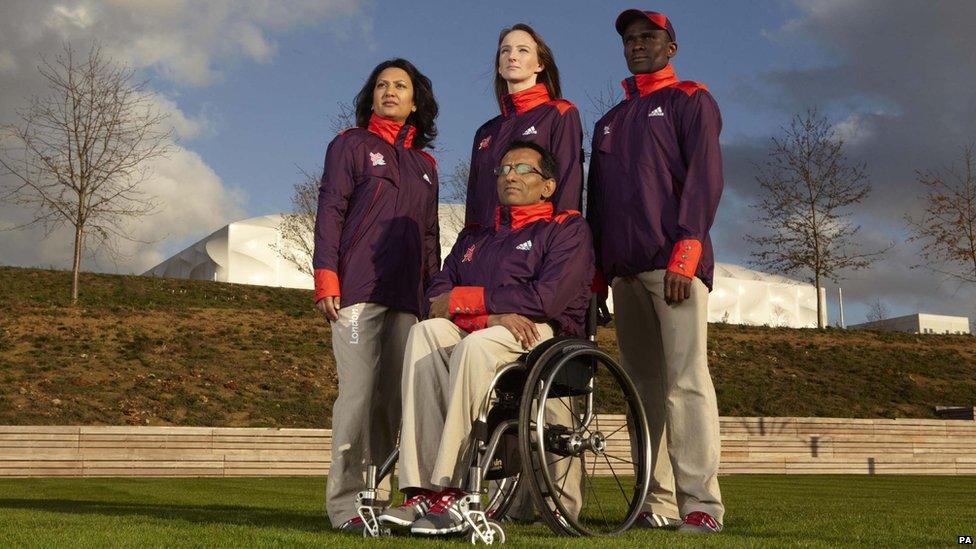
(655, 180)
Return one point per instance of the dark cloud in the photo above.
(899, 83)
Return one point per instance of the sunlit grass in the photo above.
(762, 511)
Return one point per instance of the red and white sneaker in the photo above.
(444, 515)
(353, 525)
(656, 521)
(410, 510)
(700, 522)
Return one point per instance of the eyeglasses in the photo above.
(520, 168)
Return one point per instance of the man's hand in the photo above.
(677, 288)
(522, 328)
(329, 307)
(438, 306)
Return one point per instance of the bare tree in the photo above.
(808, 187)
(80, 155)
(344, 119)
(298, 227)
(454, 191)
(877, 311)
(946, 229)
(600, 104)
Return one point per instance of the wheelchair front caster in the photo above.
(369, 514)
(381, 531)
(494, 534)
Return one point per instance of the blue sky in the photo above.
(270, 117)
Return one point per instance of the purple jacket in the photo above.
(376, 232)
(529, 115)
(655, 179)
(528, 262)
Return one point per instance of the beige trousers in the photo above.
(664, 350)
(447, 373)
(368, 342)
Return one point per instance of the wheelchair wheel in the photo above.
(571, 432)
(501, 494)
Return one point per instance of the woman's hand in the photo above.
(522, 328)
(329, 307)
(438, 306)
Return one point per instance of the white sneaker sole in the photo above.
(384, 519)
(438, 531)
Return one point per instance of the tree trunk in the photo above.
(76, 266)
(820, 319)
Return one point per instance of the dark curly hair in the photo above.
(423, 99)
(550, 72)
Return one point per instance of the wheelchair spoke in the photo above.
(617, 430)
(576, 420)
(615, 477)
(620, 459)
(592, 490)
(566, 475)
(557, 461)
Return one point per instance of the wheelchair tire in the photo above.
(500, 496)
(612, 488)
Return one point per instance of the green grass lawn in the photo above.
(763, 511)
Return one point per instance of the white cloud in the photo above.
(183, 126)
(182, 42)
(67, 17)
(853, 130)
(193, 201)
(187, 41)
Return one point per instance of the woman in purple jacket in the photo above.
(532, 109)
(376, 250)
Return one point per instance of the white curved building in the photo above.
(743, 296)
(245, 252)
(242, 252)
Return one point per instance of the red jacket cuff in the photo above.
(684, 257)
(599, 284)
(326, 284)
(468, 300)
(470, 323)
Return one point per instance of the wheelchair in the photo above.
(542, 410)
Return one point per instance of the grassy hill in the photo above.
(174, 352)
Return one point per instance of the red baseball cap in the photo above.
(659, 20)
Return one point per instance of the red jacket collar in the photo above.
(515, 217)
(643, 84)
(391, 131)
(525, 100)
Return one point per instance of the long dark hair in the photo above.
(423, 99)
(550, 72)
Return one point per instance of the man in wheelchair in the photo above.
(503, 290)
